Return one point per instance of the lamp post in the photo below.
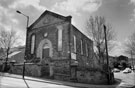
(25, 41)
(26, 17)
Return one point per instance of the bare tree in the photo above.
(95, 29)
(130, 45)
(7, 40)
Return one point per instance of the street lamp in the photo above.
(26, 39)
(25, 16)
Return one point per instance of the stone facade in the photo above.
(60, 49)
(30, 69)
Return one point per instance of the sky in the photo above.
(119, 13)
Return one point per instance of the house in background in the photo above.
(120, 62)
(61, 51)
(16, 54)
(123, 60)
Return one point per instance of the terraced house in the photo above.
(61, 50)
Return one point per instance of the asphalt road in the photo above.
(7, 82)
(128, 80)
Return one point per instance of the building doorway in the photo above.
(44, 51)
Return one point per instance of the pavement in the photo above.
(127, 79)
(57, 82)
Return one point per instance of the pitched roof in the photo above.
(66, 18)
(13, 51)
(13, 54)
(18, 56)
(82, 33)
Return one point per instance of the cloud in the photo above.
(6, 18)
(119, 48)
(27, 7)
(75, 6)
(9, 18)
(132, 2)
(6, 3)
(92, 7)
(26, 3)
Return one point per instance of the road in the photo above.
(8, 82)
(128, 80)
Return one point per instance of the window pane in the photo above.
(74, 44)
(81, 47)
(60, 29)
(32, 44)
(86, 49)
(59, 39)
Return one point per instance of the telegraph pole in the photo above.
(132, 60)
(108, 70)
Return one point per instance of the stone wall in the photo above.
(92, 76)
(62, 67)
(52, 32)
(30, 69)
(62, 70)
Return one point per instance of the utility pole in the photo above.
(132, 60)
(108, 70)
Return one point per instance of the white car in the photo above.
(116, 70)
(127, 70)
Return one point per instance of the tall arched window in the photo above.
(60, 29)
(32, 43)
(74, 43)
(81, 47)
(86, 49)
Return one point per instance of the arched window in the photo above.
(74, 43)
(60, 29)
(32, 43)
(86, 49)
(81, 47)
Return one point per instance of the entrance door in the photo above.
(45, 52)
(45, 61)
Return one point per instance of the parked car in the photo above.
(116, 70)
(133, 68)
(127, 70)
